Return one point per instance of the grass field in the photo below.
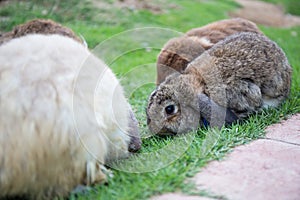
(103, 28)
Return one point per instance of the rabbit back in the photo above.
(38, 26)
(214, 32)
(245, 72)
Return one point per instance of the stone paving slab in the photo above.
(178, 196)
(261, 170)
(288, 130)
(265, 169)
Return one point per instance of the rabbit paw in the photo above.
(95, 173)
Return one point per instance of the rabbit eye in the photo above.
(171, 109)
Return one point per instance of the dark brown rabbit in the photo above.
(41, 26)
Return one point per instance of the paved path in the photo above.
(265, 169)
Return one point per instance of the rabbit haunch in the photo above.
(39, 26)
(236, 77)
(57, 128)
(178, 52)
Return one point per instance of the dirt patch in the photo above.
(154, 6)
(178, 196)
(265, 13)
(257, 11)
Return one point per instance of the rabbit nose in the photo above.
(135, 144)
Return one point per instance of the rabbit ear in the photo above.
(214, 114)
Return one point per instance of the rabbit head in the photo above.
(180, 105)
(172, 107)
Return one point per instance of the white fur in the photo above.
(204, 41)
(55, 125)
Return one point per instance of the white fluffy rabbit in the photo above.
(56, 128)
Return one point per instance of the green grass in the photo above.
(132, 57)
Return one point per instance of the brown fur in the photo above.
(244, 73)
(40, 26)
(250, 66)
(178, 52)
(176, 55)
(219, 30)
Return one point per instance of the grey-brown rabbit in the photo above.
(179, 52)
(236, 77)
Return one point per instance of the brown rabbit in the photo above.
(236, 77)
(41, 26)
(178, 52)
